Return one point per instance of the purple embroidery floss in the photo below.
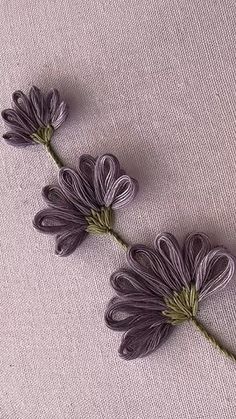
(84, 202)
(34, 118)
(162, 288)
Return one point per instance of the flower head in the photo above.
(33, 118)
(163, 288)
(84, 201)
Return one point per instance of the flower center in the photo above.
(43, 135)
(100, 222)
(182, 306)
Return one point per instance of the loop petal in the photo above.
(196, 247)
(16, 139)
(144, 338)
(39, 106)
(86, 169)
(67, 242)
(173, 269)
(121, 193)
(52, 220)
(107, 170)
(214, 272)
(23, 106)
(53, 101)
(78, 192)
(136, 310)
(59, 116)
(125, 283)
(55, 197)
(15, 121)
(144, 262)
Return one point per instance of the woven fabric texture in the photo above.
(152, 81)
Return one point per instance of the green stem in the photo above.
(211, 339)
(53, 154)
(117, 237)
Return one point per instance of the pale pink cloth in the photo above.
(158, 86)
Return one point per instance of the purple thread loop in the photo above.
(32, 115)
(162, 288)
(85, 201)
(34, 118)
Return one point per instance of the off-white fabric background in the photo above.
(156, 78)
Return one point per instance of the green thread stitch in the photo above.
(101, 222)
(38, 128)
(212, 339)
(183, 307)
(43, 136)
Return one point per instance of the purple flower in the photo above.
(84, 201)
(33, 118)
(163, 288)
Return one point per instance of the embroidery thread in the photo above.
(34, 118)
(163, 288)
(84, 202)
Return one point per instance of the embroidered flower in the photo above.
(163, 288)
(33, 119)
(84, 201)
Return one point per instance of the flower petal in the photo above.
(86, 173)
(60, 115)
(196, 247)
(214, 272)
(67, 242)
(173, 269)
(53, 101)
(17, 139)
(121, 193)
(137, 309)
(144, 262)
(39, 105)
(16, 122)
(144, 338)
(52, 220)
(137, 304)
(107, 170)
(127, 283)
(76, 191)
(55, 197)
(86, 169)
(23, 107)
(118, 324)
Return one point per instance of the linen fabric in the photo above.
(152, 82)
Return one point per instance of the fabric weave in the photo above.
(152, 82)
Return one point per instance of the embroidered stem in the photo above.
(43, 136)
(100, 222)
(117, 237)
(211, 339)
(53, 154)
